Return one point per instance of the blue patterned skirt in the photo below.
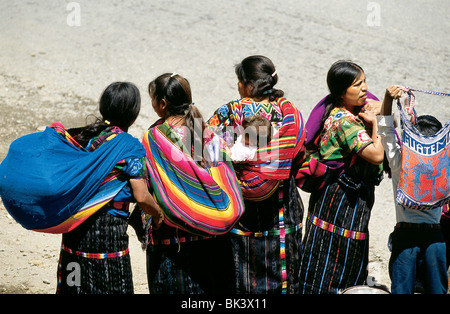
(336, 242)
(94, 257)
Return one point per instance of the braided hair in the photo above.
(260, 73)
(119, 105)
(176, 91)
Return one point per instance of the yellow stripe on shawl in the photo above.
(74, 220)
(198, 209)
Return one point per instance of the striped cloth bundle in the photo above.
(315, 173)
(203, 201)
(260, 178)
(105, 193)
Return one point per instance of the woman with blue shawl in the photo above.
(80, 182)
(100, 244)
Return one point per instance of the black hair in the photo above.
(259, 71)
(428, 125)
(340, 77)
(119, 105)
(176, 91)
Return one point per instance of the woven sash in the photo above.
(356, 235)
(95, 255)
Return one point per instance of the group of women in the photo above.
(210, 229)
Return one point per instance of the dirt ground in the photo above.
(57, 57)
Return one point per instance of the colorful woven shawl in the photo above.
(314, 173)
(425, 175)
(260, 178)
(313, 125)
(48, 183)
(204, 201)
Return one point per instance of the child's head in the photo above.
(257, 130)
(120, 104)
(428, 125)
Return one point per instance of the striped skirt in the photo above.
(189, 264)
(336, 242)
(94, 258)
(267, 264)
(267, 242)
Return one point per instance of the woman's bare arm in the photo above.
(146, 201)
(373, 153)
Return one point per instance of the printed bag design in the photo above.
(425, 176)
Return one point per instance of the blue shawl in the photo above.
(45, 180)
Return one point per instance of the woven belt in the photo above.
(176, 240)
(261, 234)
(356, 235)
(95, 255)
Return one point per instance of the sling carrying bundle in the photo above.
(425, 176)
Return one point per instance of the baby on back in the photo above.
(256, 133)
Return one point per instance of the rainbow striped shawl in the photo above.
(261, 177)
(204, 201)
(49, 184)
